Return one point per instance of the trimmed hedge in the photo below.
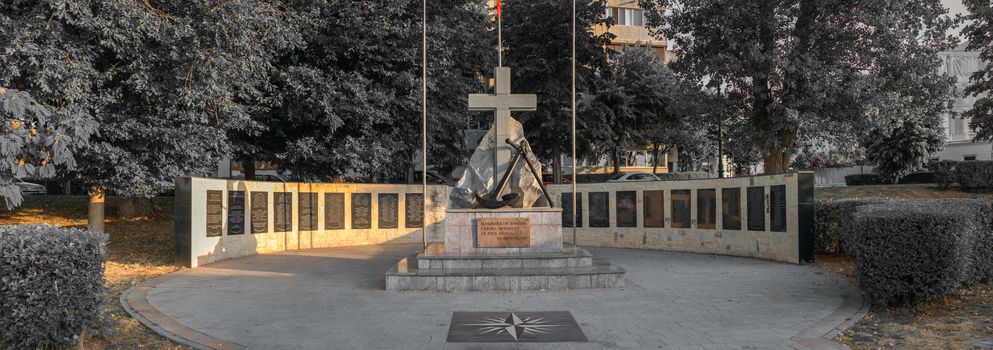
(834, 229)
(910, 250)
(971, 175)
(873, 179)
(51, 285)
(974, 175)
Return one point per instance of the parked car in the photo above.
(549, 179)
(626, 177)
(30, 188)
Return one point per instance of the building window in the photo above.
(968, 157)
(626, 17)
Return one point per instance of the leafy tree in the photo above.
(978, 33)
(35, 141)
(167, 81)
(905, 147)
(798, 70)
(639, 101)
(349, 101)
(537, 38)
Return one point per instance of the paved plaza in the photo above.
(334, 298)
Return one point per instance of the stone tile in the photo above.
(456, 282)
(483, 283)
(580, 282)
(558, 282)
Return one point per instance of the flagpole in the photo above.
(499, 9)
(424, 123)
(575, 220)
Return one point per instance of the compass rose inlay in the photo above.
(553, 326)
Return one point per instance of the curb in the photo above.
(135, 302)
(852, 309)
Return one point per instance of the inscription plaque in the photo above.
(680, 209)
(627, 211)
(308, 211)
(334, 211)
(236, 213)
(503, 232)
(567, 209)
(361, 210)
(756, 208)
(260, 212)
(706, 209)
(777, 208)
(654, 215)
(389, 210)
(414, 210)
(282, 220)
(599, 209)
(731, 208)
(215, 212)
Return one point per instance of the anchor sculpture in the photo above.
(496, 199)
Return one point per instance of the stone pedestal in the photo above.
(462, 230)
(461, 263)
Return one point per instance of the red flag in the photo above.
(499, 15)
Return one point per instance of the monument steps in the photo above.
(573, 268)
(597, 276)
(435, 258)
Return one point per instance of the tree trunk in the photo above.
(655, 158)
(617, 162)
(133, 206)
(557, 163)
(777, 161)
(248, 168)
(96, 216)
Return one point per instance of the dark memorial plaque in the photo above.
(389, 210)
(282, 203)
(756, 208)
(503, 232)
(627, 209)
(215, 213)
(514, 327)
(236, 213)
(308, 211)
(413, 210)
(361, 210)
(654, 215)
(680, 209)
(599, 209)
(777, 208)
(731, 208)
(706, 209)
(334, 211)
(567, 209)
(260, 212)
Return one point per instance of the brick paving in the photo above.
(334, 299)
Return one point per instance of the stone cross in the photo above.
(502, 103)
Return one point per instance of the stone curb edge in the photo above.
(819, 336)
(134, 301)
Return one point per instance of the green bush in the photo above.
(873, 179)
(864, 180)
(974, 175)
(911, 253)
(833, 225)
(944, 173)
(51, 285)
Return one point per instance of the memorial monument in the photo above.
(502, 231)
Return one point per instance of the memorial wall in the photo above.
(767, 217)
(219, 219)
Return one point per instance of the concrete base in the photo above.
(437, 270)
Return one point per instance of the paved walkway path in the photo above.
(334, 299)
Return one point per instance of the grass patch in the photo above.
(139, 248)
(951, 323)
